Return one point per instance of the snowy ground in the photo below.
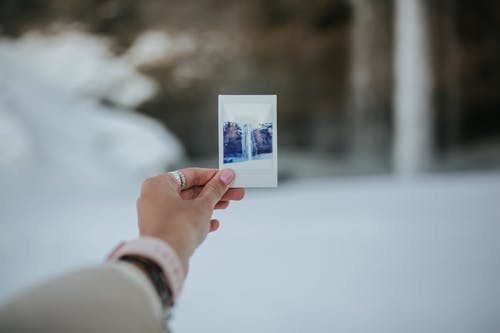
(366, 255)
(360, 255)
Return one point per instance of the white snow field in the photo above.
(373, 254)
(360, 255)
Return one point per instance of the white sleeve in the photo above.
(112, 297)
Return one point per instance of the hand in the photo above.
(184, 218)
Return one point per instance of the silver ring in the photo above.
(181, 179)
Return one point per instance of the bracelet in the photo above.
(161, 254)
(155, 274)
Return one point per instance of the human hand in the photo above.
(184, 218)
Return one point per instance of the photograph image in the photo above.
(262, 141)
(244, 142)
(248, 139)
(234, 148)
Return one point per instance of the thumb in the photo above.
(217, 187)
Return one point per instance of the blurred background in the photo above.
(387, 215)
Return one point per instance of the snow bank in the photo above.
(157, 46)
(76, 62)
(52, 124)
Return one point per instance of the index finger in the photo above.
(197, 176)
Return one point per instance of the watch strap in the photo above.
(161, 254)
(155, 275)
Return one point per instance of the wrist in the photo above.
(159, 252)
(181, 248)
(184, 242)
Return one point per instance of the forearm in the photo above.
(113, 297)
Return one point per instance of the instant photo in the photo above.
(248, 139)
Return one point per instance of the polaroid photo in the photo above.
(248, 139)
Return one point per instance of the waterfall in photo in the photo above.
(246, 142)
(412, 121)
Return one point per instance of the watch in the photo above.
(155, 275)
(151, 250)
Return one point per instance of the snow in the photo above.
(51, 121)
(368, 254)
(156, 46)
(76, 62)
(15, 148)
(360, 255)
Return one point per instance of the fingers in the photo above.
(197, 176)
(221, 205)
(191, 193)
(214, 225)
(159, 185)
(235, 194)
(217, 187)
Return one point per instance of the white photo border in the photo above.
(245, 176)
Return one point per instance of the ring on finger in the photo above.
(181, 179)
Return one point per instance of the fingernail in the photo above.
(226, 176)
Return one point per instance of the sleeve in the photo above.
(112, 297)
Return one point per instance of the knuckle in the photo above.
(147, 186)
(205, 202)
(215, 189)
(172, 181)
(197, 176)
